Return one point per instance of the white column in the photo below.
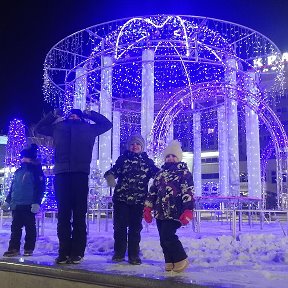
(116, 136)
(253, 144)
(94, 161)
(80, 91)
(147, 101)
(106, 110)
(197, 171)
(232, 117)
(223, 152)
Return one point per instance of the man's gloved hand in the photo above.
(35, 208)
(147, 214)
(5, 206)
(86, 113)
(58, 113)
(110, 179)
(186, 217)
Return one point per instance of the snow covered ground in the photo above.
(254, 258)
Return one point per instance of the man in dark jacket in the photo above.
(74, 140)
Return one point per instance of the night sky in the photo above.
(28, 29)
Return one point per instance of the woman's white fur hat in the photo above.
(174, 148)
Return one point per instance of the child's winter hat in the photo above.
(29, 152)
(136, 138)
(174, 148)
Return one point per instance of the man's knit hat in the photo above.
(174, 148)
(77, 112)
(29, 152)
(136, 138)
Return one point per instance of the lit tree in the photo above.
(16, 142)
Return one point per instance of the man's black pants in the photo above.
(71, 191)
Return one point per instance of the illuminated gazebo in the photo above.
(170, 76)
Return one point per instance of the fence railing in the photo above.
(235, 218)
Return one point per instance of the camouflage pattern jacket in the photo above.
(133, 170)
(171, 192)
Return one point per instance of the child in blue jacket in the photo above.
(24, 199)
